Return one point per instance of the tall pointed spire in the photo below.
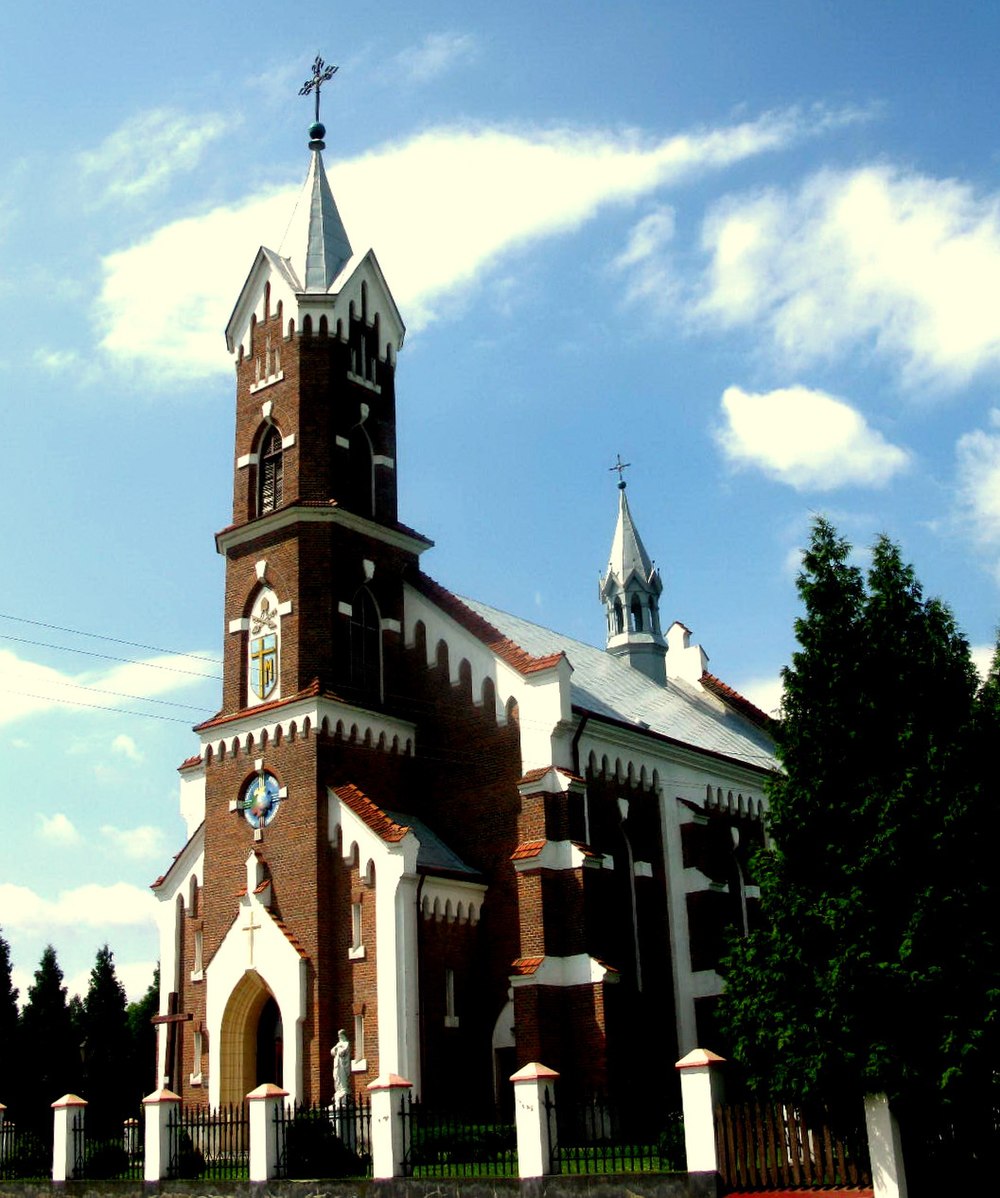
(630, 591)
(316, 242)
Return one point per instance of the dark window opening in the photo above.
(636, 614)
(366, 645)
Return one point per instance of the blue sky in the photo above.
(752, 247)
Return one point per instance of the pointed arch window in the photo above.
(270, 472)
(618, 617)
(636, 614)
(366, 645)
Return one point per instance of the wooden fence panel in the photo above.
(766, 1144)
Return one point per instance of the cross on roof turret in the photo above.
(321, 74)
(621, 467)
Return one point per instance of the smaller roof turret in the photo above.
(630, 591)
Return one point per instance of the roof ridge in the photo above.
(370, 813)
(741, 703)
(512, 653)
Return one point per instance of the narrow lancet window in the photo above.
(269, 498)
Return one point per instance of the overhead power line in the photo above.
(129, 661)
(100, 636)
(149, 715)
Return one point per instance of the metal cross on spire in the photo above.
(321, 74)
(621, 467)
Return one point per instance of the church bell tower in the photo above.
(258, 965)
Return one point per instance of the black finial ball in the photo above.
(317, 131)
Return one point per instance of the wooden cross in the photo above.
(250, 928)
(321, 74)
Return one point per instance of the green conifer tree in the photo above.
(9, 1038)
(107, 1047)
(47, 1042)
(862, 975)
(143, 1037)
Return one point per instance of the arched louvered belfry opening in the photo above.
(269, 472)
(366, 645)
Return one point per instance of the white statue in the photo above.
(341, 1053)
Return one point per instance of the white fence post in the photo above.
(264, 1104)
(532, 1085)
(885, 1148)
(158, 1108)
(387, 1127)
(701, 1092)
(66, 1112)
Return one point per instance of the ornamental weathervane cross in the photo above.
(321, 74)
(621, 467)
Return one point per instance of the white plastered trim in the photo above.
(248, 459)
(558, 854)
(380, 459)
(578, 970)
(279, 967)
(395, 934)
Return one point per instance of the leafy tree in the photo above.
(47, 1041)
(107, 1044)
(9, 1039)
(876, 965)
(143, 1037)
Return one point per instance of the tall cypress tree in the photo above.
(859, 978)
(49, 1050)
(143, 1037)
(107, 1046)
(9, 1038)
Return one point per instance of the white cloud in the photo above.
(982, 658)
(90, 905)
(807, 439)
(142, 155)
(906, 263)
(57, 360)
(473, 195)
(58, 829)
(127, 747)
(764, 692)
(30, 688)
(144, 843)
(978, 454)
(644, 263)
(436, 55)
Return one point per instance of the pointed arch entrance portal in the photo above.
(252, 1041)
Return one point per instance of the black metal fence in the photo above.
(594, 1135)
(324, 1141)
(444, 1144)
(210, 1143)
(100, 1154)
(25, 1150)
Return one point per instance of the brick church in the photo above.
(465, 839)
